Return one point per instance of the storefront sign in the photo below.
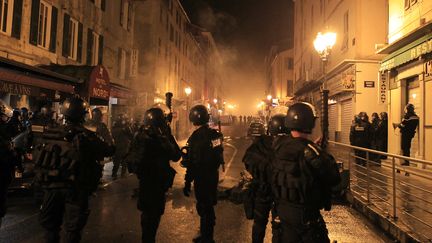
(410, 52)
(18, 89)
(134, 63)
(369, 84)
(383, 87)
(99, 86)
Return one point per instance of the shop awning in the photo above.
(414, 50)
(19, 78)
(95, 81)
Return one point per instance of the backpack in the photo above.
(56, 160)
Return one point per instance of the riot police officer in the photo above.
(149, 157)
(257, 161)
(8, 157)
(206, 155)
(122, 134)
(101, 128)
(360, 136)
(408, 128)
(302, 178)
(68, 169)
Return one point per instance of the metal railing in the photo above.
(402, 193)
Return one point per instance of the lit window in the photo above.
(95, 52)
(73, 33)
(44, 25)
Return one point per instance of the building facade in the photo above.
(351, 72)
(406, 71)
(173, 55)
(52, 49)
(280, 74)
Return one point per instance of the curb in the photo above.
(393, 228)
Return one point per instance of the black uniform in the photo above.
(382, 134)
(7, 165)
(360, 136)
(150, 153)
(69, 198)
(206, 155)
(257, 161)
(122, 135)
(408, 129)
(302, 178)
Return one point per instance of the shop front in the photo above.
(122, 101)
(94, 87)
(407, 74)
(33, 87)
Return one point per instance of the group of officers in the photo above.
(292, 176)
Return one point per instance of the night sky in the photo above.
(244, 31)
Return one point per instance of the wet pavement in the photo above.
(114, 217)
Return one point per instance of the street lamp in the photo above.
(269, 97)
(215, 101)
(323, 44)
(188, 91)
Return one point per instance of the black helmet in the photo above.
(74, 109)
(409, 108)
(277, 125)
(364, 116)
(199, 115)
(154, 117)
(383, 115)
(97, 114)
(301, 117)
(16, 114)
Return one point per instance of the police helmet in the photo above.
(154, 117)
(409, 108)
(364, 116)
(5, 109)
(74, 109)
(301, 117)
(165, 109)
(383, 115)
(97, 114)
(277, 125)
(199, 115)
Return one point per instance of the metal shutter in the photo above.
(347, 118)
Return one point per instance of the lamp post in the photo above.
(323, 44)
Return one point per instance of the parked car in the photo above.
(256, 129)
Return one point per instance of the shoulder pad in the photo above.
(311, 151)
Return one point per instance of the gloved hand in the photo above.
(187, 189)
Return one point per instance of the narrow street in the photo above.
(114, 217)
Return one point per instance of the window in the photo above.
(44, 26)
(290, 88)
(124, 13)
(10, 17)
(346, 30)
(93, 44)
(6, 10)
(289, 63)
(122, 63)
(73, 33)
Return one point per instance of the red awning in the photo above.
(26, 78)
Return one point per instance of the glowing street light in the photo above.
(188, 91)
(323, 44)
(215, 101)
(269, 97)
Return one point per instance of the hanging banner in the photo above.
(383, 87)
